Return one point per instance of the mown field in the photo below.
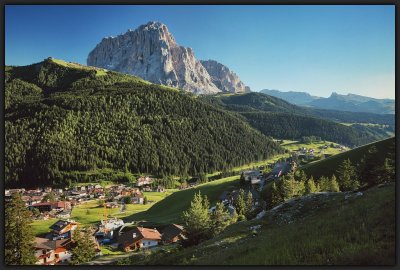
(170, 209)
(90, 213)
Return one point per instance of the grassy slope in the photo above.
(170, 209)
(167, 207)
(80, 212)
(328, 166)
(315, 230)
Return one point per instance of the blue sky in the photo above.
(317, 49)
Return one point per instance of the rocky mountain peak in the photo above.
(151, 52)
(224, 78)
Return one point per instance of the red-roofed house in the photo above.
(139, 237)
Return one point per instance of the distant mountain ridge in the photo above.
(349, 102)
(151, 53)
(298, 98)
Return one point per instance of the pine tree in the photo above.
(197, 220)
(19, 238)
(302, 176)
(249, 205)
(323, 183)
(310, 186)
(347, 176)
(333, 184)
(242, 180)
(368, 169)
(240, 203)
(84, 248)
(290, 187)
(220, 219)
(276, 196)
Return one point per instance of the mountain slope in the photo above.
(76, 119)
(224, 78)
(298, 98)
(280, 119)
(152, 53)
(328, 166)
(318, 229)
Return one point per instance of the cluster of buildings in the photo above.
(128, 236)
(55, 247)
(63, 200)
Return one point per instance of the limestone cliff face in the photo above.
(223, 78)
(152, 53)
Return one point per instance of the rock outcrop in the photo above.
(152, 53)
(223, 78)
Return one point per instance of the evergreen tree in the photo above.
(347, 176)
(84, 248)
(333, 184)
(145, 201)
(197, 220)
(323, 183)
(369, 169)
(276, 196)
(388, 171)
(290, 187)
(249, 205)
(310, 186)
(19, 238)
(240, 203)
(242, 180)
(301, 176)
(220, 219)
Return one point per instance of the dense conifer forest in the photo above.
(279, 119)
(61, 119)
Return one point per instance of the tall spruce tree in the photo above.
(333, 184)
(196, 220)
(368, 169)
(323, 183)
(220, 219)
(249, 205)
(276, 194)
(347, 176)
(84, 249)
(240, 203)
(19, 238)
(310, 186)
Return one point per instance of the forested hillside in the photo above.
(280, 119)
(291, 126)
(62, 117)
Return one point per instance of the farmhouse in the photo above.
(48, 206)
(51, 252)
(172, 234)
(139, 237)
(63, 229)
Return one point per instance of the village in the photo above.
(54, 247)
